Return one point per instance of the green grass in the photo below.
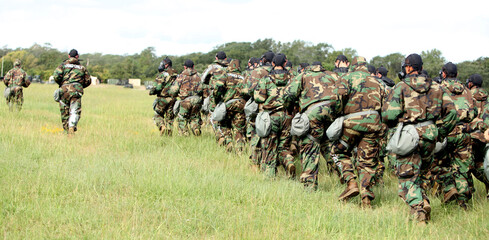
(118, 179)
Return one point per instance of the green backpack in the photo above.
(263, 124)
(404, 140)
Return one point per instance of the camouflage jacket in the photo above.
(417, 99)
(365, 92)
(187, 84)
(462, 98)
(16, 77)
(270, 90)
(252, 80)
(71, 71)
(228, 88)
(164, 81)
(315, 85)
(215, 71)
(480, 97)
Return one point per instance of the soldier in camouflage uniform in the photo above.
(163, 104)
(16, 80)
(248, 94)
(228, 91)
(315, 92)
(187, 88)
(214, 72)
(269, 94)
(341, 65)
(474, 83)
(418, 100)
(362, 128)
(455, 165)
(72, 78)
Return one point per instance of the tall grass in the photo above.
(118, 179)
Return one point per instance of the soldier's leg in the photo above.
(367, 162)
(75, 114)
(64, 108)
(478, 149)
(195, 120)
(342, 155)
(159, 122)
(255, 147)
(286, 158)
(269, 154)
(238, 123)
(183, 117)
(19, 99)
(169, 115)
(462, 163)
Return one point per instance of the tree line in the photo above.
(43, 59)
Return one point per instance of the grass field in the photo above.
(118, 179)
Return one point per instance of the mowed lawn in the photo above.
(118, 179)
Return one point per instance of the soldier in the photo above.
(381, 73)
(362, 128)
(315, 92)
(455, 165)
(163, 104)
(72, 78)
(420, 102)
(474, 83)
(248, 94)
(187, 88)
(341, 65)
(15, 80)
(302, 68)
(269, 94)
(228, 91)
(214, 72)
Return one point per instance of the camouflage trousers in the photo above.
(275, 148)
(411, 170)
(254, 143)
(313, 144)
(232, 129)
(163, 118)
(456, 163)
(70, 105)
(189, 116)
(478, 149)
(15, 99)
(367, 145)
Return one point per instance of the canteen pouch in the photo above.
(205, 105)
(300, 125)
(404, 140)
(57, 94)
(219, 112)
(263, 124)
(335, 130)
(250, 108)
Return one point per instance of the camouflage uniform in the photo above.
(314, 89)
(478, 141)
(247, 92)
(213, 73)
(455, 165)
(16, 80)
(418, 100)
(228, 91)
(362, 128)
(163, 104)
(269, 94)
(72, 78)
(188, 90)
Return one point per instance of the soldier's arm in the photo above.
(449, 118)
(293, 90)
(58, 75)
(393, 107)
(27, 83)
(7, 77)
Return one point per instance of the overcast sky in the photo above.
(459, 29)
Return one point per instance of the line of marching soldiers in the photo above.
(431, 133)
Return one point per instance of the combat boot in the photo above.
(71, 131)
(463, 205)
(427, 208)
(350, 191)
(291, 171)
(450, 195)
(197, 132)
(366, 203)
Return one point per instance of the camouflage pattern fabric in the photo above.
(363, 131)
(418, 99)
(16, 80)
(72, 78)
(309, 88)
(247, 92)
(457, 163)
(228, 90)
(163, 106)
(275, 148)
(188, 89)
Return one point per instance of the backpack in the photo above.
(300, 125)
(250, 108)
(219, 113)
(486, 161)
(335, 130)
(404, 140)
